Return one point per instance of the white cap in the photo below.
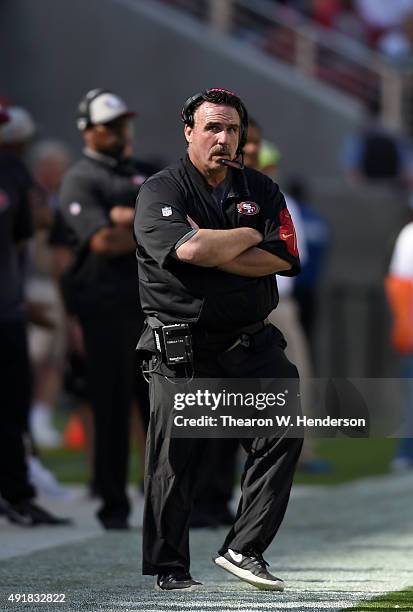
(106, 108)
(19, 128)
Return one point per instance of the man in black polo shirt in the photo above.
(97, 205)
(211, 237)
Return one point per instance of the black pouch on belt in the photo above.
(173, 341)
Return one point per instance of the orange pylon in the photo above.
(74, 434)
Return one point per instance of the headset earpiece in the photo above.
(83, 118)
(187, 110)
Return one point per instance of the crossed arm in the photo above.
(234, 251)
(116, 240)
(255, 263)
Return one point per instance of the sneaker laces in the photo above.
(174, 576)
(259, 560)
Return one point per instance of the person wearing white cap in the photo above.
(97, 205)
(20, 128)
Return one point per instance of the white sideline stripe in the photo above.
(238, 606)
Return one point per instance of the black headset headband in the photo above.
(190, 105)
(83, 111)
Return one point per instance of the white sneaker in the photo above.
(44, 433)
(44, 481)
(250, 567)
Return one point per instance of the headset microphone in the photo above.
(232, 164)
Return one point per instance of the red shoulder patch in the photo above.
(287, 232)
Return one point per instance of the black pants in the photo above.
(15, 398)
(216, 485)
(114, 380)
(173, 464)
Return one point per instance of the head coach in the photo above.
(211, 236)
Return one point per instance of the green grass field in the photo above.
(398, 600)
(351, 459)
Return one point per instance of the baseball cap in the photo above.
(19, 128)
(102, 107)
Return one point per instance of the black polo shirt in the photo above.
(98, 284)
(179, 292)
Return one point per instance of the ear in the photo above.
(188, 133)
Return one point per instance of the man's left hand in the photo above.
(122, 215)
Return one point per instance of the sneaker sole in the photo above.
(194, 587)
(247, 576)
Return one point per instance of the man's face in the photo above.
(214, 136)
(110, 138)
(252, 147)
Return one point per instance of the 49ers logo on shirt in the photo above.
(287, 232)
(248, 208)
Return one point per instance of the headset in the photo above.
(190, 105)
(83, 117)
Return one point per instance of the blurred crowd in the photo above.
(385, 26)
(381, 25)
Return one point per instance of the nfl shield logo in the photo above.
(166, 211)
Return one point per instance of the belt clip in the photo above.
(245, 340)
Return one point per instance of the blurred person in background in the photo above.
(16, 229)
(269, 157)
(79, 430)
(381, 16)
(375, 153)
(397, 44)
(307, 283)
(17, 139)
(399, 288)
(97, 205)
(49, 161)
(348, 22)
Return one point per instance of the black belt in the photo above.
(204, 335)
